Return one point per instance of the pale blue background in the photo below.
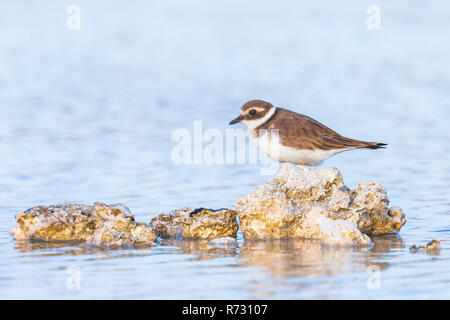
(86, 115)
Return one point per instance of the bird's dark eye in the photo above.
(252, 112)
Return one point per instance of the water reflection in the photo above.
(308, 258)
(41, 248)
(201, 249)
(384, 243)
(39, 245)
(281, 258)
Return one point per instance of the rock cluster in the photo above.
(298, 203)
(98, 224)
(315, 204)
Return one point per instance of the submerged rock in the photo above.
(432, 247)
(196, 223)
(99, 224)
(314, 203)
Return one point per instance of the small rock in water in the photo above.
(196, 223)
(315, 204)
(433, 246)
(99, 224)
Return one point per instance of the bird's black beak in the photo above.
(237, 120)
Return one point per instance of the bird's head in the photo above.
(254, 113)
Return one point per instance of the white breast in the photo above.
(270, 145)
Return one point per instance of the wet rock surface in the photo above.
(196, 223)
(97, 224)
(315, 204)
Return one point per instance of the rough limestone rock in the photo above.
(314, 203)
(98, 224)
(196, 223)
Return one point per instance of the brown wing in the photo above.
(302, 132)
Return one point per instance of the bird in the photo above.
(288, 136)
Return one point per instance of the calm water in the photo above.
(86, 115)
